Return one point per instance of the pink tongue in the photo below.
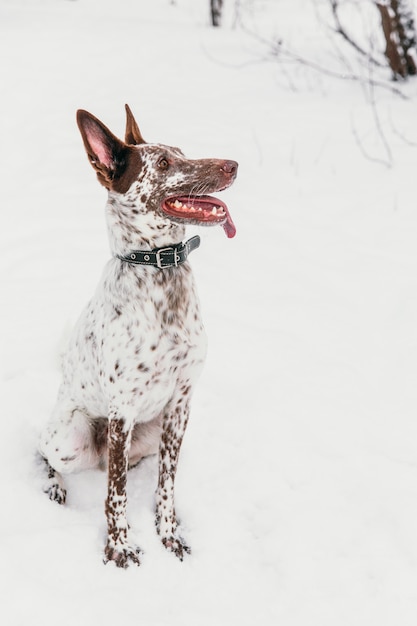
(229, 227)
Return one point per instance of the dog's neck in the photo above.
(131, 226)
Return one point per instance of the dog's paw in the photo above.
(56, 493)
(176, 545)
(122, 556)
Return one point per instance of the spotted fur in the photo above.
(139, 345)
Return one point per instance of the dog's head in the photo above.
(156, 177)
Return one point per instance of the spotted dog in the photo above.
(138, 347)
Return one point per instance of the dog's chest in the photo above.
(138, 342)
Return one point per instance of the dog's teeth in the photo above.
(186, 208)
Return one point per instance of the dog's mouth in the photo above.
(204, 210)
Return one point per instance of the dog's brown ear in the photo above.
(133, 136)
(106, 153)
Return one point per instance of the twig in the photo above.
(361, 147)
(378, 124)
(341, 76)
(412, 144)
(342, 31)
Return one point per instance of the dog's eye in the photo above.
(163, 163)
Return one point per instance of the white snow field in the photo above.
(297, 483)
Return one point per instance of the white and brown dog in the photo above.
(137, 350)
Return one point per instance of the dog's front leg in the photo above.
(173, 428)
(118, 548)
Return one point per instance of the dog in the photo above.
(137, 350)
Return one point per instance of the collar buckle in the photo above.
(160, 263)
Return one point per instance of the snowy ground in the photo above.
(298, 477)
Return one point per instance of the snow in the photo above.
(297, 485)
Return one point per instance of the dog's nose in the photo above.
(230, 167)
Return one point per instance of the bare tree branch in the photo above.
(278, 50)
(334, 4)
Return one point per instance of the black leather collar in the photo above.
(170, 256)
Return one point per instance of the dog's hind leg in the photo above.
(67, 444)
(54, 486)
